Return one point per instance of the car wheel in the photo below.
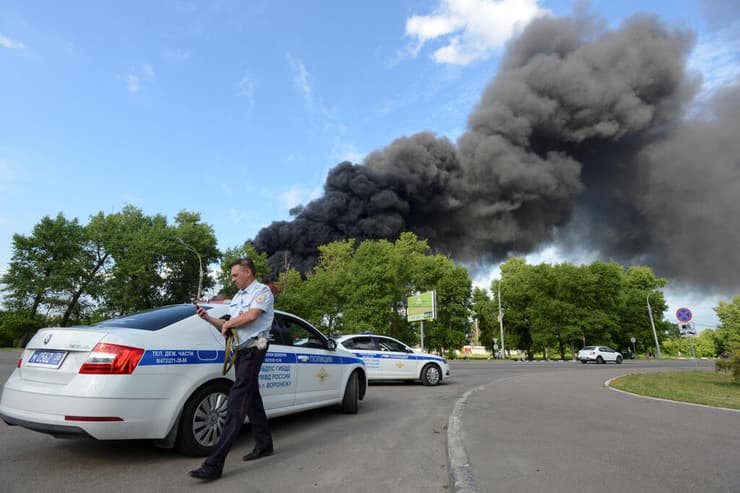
(619, 360)
(599, 359)
(431, 375)
(584, 361)
(351, 401)
(202, 420)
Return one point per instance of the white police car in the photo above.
(158, 375)
(389, 359)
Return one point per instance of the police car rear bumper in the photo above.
(57, 431)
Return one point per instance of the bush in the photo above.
(735, 364)
(722, 365)
(730, 364)
(17, 327)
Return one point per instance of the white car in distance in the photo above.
(599, 354)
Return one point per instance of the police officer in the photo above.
(251, 313)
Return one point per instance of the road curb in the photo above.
(607, 384)
(461, 477)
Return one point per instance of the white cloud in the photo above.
(132, 83)
(11, 175)
(133, 199)
(175, 56)
(716, 57)
(238, 217)
(10, 44)
(134, 79)
(9, 171)
(472, 29)
(298, 196)
(246, 89)
(301, 78)
(149, 71)
(344, 151)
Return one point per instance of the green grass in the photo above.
(699, 387)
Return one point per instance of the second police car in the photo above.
(389, 359)
(158, 375)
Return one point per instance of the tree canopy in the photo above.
(65, 272)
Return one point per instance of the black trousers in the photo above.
(244, 400)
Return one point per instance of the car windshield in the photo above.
(155, 319)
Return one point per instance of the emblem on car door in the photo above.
(322, 375)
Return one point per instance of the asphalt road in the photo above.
(524, 428)
(556, 428)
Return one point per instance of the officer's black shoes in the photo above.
(206, 473)
(256, 454)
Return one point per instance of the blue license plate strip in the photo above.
(47, 359)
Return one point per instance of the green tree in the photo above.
(294, 296)
(516, 297)
(485, 312)
(638, 287)
(728, 331)
(704, 345)
(555, 308)
(46, 269)
(375, 294)
(191, 238)
(453, 287)
(359, 287)
(235, 253)
(329, 285)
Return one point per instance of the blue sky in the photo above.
(237, 110)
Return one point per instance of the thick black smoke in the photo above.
(581, 137)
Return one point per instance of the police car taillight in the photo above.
(112, 359)
(20, 362)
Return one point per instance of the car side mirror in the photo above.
(409, 350)
(332, 345)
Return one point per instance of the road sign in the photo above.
(687, 329)
(683, 315)
(422, 307)
(633, 340)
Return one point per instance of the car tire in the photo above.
(202, 420)
(619, 360)
(351, 400)
(599, 360)
(584, 361)
(431, 375)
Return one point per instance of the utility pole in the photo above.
(200, 266)
(655, 334)
(501, 319)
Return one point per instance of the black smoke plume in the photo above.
(581, 138)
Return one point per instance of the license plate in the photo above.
(47, 359)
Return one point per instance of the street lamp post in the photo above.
(655, 334)
(501, 320)
(200, 266)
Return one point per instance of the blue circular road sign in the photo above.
(683, 315)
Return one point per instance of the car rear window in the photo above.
(154, 319)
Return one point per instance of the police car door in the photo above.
(396, 361)
(278, 374)
(366, 347)
(318, 370)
